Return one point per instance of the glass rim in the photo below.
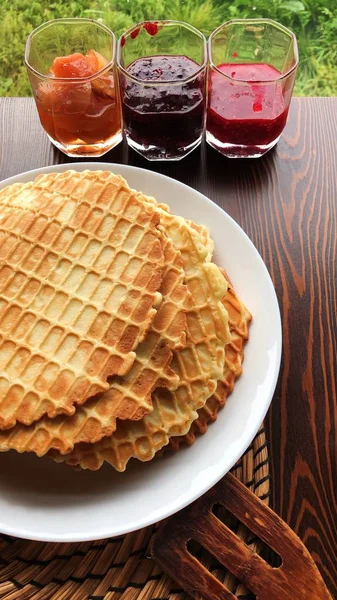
(70, 79)
(254, 21)
(149, 82)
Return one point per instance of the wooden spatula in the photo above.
(297, 578)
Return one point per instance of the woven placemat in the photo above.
(116, 568)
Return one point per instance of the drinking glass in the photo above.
(78, 103)
(253, 64)
(162, 73)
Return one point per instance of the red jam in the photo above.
(135, 33)
(246, 113)
(151, 28)
(166, 118)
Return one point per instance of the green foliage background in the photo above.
(313, 21)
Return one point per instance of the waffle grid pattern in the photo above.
(62, 259)
(130, 393)
(239, 320)
(199, 365)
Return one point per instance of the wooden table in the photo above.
(287, 204)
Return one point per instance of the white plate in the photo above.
(41, 500)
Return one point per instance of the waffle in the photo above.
(239, 320)
(205, 237)
(80, 265)
(131, 392)
(199, 365)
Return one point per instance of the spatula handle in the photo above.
(298, 577)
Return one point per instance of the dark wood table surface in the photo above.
(287, 204)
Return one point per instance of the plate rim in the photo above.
(146, 522)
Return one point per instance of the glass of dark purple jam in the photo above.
(253, 64)
(162, 73)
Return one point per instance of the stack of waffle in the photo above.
(119, 338)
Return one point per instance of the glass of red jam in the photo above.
(252, 70)
(162, 74)
(72, 69)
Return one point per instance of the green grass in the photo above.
(313, 21)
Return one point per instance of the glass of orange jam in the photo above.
(72, 71)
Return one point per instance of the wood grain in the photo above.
(296, 578)
(286, 202)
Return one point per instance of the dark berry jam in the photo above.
(164, 116)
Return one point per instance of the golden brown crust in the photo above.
(198, 365)
(129, 397)
(239, 321)
(68, 243)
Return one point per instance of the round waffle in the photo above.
(129, 395)
(199, 365)
(80, 265)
